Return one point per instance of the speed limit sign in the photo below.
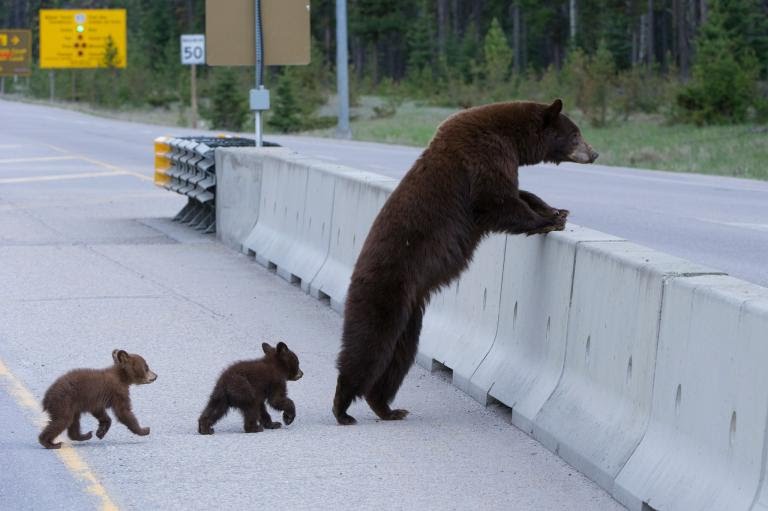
(193, 49)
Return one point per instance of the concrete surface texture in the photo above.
(89, 262)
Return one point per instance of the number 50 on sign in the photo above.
(193, 49)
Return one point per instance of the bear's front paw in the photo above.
(204, 429)
(102, 431)
(272, 425)
(288, 417)
(143, 432)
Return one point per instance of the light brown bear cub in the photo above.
(93, 391)
(247, 384)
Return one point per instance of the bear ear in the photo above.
(281, 347)
(119, 356)
(268, 350)
(553, 111)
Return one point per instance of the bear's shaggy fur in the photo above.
(462, 187)
(93, 391)
(247, 384)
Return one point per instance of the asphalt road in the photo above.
(717, 221)
(90, 262)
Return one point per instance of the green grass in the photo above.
(642, 141)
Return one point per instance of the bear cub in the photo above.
(93, 391)
(247, 384)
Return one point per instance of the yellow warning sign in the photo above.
(88, 38)
(15, 52)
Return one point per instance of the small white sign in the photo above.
(193, 49)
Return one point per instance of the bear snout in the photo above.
(583, 153)
(298, 375)
(150, 377)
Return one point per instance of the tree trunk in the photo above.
(651, 50)
(457, 27)
(682, 50)
(518, 54)
(442, 25)
(572, 16)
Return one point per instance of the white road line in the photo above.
(37, 158)
(60, 177)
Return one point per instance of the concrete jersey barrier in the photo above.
(642, 370)
(460, 322)
(705, 446)
(526, 360)
(599, 411)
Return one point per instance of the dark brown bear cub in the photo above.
(462, 187)
(93, 391)
(246, 385)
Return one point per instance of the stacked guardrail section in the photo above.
(186, 165)
(642, 370)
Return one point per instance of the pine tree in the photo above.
(497, 55)
(286, 111)
(419, 38)
(725, 75)
(229, 108)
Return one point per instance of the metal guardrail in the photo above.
(187, 165)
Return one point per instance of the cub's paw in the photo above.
(253, 429)
(272, 425)
(102, 431)
(288, 417)
(83, 438)
(143, 432)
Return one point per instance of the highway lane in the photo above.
(717, 221)
(90, 262)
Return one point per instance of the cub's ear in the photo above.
(268, 350)
(281, 347)
(119, 356)
(553, 111)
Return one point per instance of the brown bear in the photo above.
(462, 187)
(93, 391)
(247, 384)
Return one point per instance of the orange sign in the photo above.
(15, 52)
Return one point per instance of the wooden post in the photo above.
(193, 93)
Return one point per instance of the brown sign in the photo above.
(229, 32)
(15, 52)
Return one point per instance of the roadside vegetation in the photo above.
(668, 84)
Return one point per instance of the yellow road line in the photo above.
(115, 168)
(109, 166)
(74, 463)
(37, 158)
(59, 177)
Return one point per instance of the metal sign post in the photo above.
(259, 98)
(277, 35)
(342, 80)
(192, 54)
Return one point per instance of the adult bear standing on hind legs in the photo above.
(463, 186)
